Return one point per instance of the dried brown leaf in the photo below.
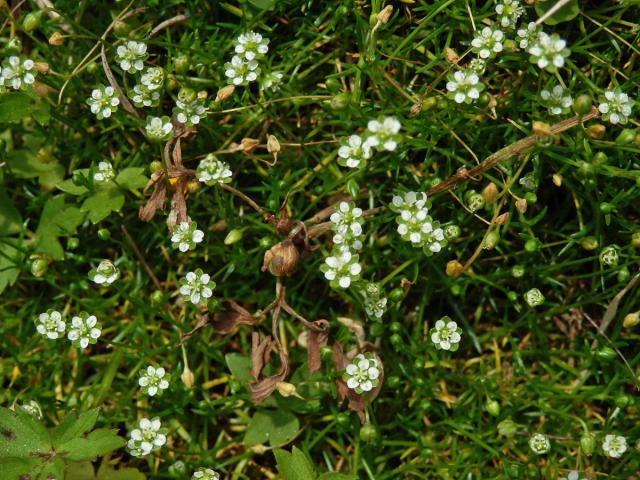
(155, 202)
(228, 320)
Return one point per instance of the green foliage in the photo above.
(566, 13)
(277, 427)
(295, 465)
(28, 448)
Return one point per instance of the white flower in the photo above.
(251, 46)
(50, 324)
(464, 86)
(528, 34)
(346, 222)
(152, 78)
(354, 152)
(149, 436)
(103, 101)
(615, 106)
(414, 223)
(540, 444)
(477, 66)
(614, 446)
(534, 297)
(84, 330)
(341, 269)
(556, 100)
(196, 286)
(573, 475)
(205, 474)
(105, 173)
(363, 373)
(159, 128)
(383, 133)
(548, 51)
(185, 235)
(105, 273)
(143, 97)
(509, 11)
(487, 42)
(271, 81)
(17, 73)
(609, 256)
(132, 56)
(189, 113)
(446, 334)
(212, 171)
(153, 381)
(241, 71)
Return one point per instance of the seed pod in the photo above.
(521, 205)
(385, 14)
(596, 131)
(631, 320)
(454, 268)
(588, 443)
(493, 408)
(582, 104)
(541, 129)
(491, 240)
(56, 39)
(626, 136)
(233, 236)
(273, 145)
(507, 428)
(557, 179)
(589, 243)
(490, 193)
(502, 219)
(41, 67)
(635, 239)
(187, 377)
(225, 92)
(281, 259)
(32, 20)
(286, 389)
(368, 433)
(39, 265)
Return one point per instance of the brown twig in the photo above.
(167, 23)
(245, 198)
(124, 101)
(138, 254)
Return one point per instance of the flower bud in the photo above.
(588, 443)
(491, 240)
(273, 145)
(281, 259)
(517, 271)
(225, 92)
(181, 64)
(606, 353)
(340, 101)
(589, 243)
(56, 39)
(454, 268)
(609, 256)
(596, 131)
(234, 236)
(104, 234)
(286, 389)
(353, 188)
(507, 428)
(429, 103)
(490, 193)
(582, 104)
(531, 245)
(385, 14)
(451, 232)
(475, 202)
(534, 297)
(557, 179)
(541, 129)
(120, 28)
(631, 319)
(493, 408)
(187, 377)
(600, 158)
(368, 433)
(626, 136)
(72, 243)
(32, 20)
(623, 275)
(39, 265)
(14, 46)
(635, 239)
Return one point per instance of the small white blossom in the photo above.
(414, 223)
(196, 286)
(50, 324)
(509, 11)
(84, 330)
(548, 51)
(153, 381)
(212, 171)
(383, 133)
(354, 152)
(143, 97)
(149, 436)
(609, 256)
(534, 297)
(573, 475)
(556, 100)
(540, 444)
(271, 81)
(464, 86)
(189, 113)
(106, 273)
(205, 474)
(185, 235)
(446, 334)
(103, 102)
(241, 71)
(251, 46)
(375, 305)
(477, 66)
(341, 269)
(17, 73)
(363, 373)
(132, 56)
(159, 128)
(152, 78)
(487, 42)
(615, 106)
(614, 446)
(346, 222)
(105, 173)
(528, 34)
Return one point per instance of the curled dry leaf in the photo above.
(155, 202)
(228, 320)
(202, 321)
(317, 338)
(260, 354)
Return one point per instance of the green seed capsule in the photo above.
(397, 295)
(104, 234)
(600, 158)
(507, 428)
(493, 407)
(234, 236)
(157, 297)
(623, 275)
(531, 198)
(39, 266)
(606, 353)
(368, 433)
(626, 136)
(353, 188)
(72, 243)
(429, 103)
(376, 329)
(393, 382)
(333, 84)
(340, 101)
(32, 21)
(588, 444)
(491, 240)
(589, 243)
(517, 271)
(622, 400)
(582, 104)
(635, 239)
(531, 245)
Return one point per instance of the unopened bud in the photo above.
(286, 389)
(582, 104)
(589, 243)
(596, 131)
(491, 240)
(39, 265)
(454, 268)
(490, 193)
(451, 55)
(557, 179)
(273, 145)
(281, 259)
(502, 219)
(521, 205)
(631, 320)
(534, 297)
(202, 95)
(475, 201)
(187, 377)
(493, 408)
(385, 14)
(41, 67)
(56, 39)
(541, 129)
(225, 92)
(588, 443)
(234, 236)
(507, 428)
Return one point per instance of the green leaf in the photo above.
(239, 365)
(10, 220)
(57, 220)
(11, 259)
(100, 205)
(24, 163)
(97, 443)
(294, 465)
(107, 472)
(336, 476)
(132, 178)
(74, 425)
(14, 106)
(13, 468)
(263, 4)
(564, 14)
(275, 426)
(79, 471)
(21, 435)
(68, 186)
(53, 468)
